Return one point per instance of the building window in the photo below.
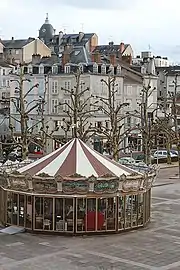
(54, 69)
(30, 69)
(107, 125)
(99, 125)
(4, 72)
(66, 104)
(95, 68)
(118, 89)
(111, 70)
(81, 68)
(3, 82)
(17, 52)
(67, 86)
(82, 86)
(67, 69)
(54, 87)
(8, 85)
(54, 105)
(56, 124)
(3, 95)
(41, 69)
(129, 90)
(103, 69)
(118, 70)
(129, 121)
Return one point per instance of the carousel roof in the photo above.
(75, 157)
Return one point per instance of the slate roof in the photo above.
(46, 31)
(171, 70)
(54, 59)
(73, 39)
(16, 43)
(4, 64)
(79, 54)
(110, 48)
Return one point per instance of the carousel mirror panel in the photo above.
(75, 214)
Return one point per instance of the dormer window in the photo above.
(103, 69)
(111, 70)
(41, 69)
(55, 69)
(30, 69)
(118, 70)
(95, 68)
(67, 69)
(81, 68)
(18, 70)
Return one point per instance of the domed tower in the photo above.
(46, 32)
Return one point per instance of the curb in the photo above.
(168, 167)
(163, 184)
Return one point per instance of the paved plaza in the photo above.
(156, 247)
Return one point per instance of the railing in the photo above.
(14, 166)
(141, 169)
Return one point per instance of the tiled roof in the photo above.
(16, 43)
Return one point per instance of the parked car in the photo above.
(175, 152)
(16, 154)
(127, 160)
(163, 154)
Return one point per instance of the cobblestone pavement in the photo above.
(156, 247)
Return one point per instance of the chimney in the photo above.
(81, 35)
(96, 57)
(60, 37)
(65, 58)
(122, 47)
(112, 58)
(111, 43)
(36, 58)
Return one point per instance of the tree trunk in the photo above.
(115, 153)
(178, 148)
(168, 148)
(147, 150)
(24, 139)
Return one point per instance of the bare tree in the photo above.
(146, 117)
(24, 109)
(79, 111)
(175, 109)
(114, 131)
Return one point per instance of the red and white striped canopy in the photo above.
(75, 157)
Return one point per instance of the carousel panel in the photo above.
(77, 214)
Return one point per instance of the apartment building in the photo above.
(21, 50)
(54, 74)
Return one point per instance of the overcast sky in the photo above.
(142, 23)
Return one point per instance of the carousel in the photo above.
(75, 190)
